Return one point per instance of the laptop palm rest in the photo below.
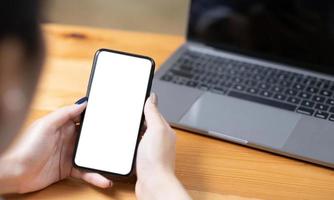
(239, 119)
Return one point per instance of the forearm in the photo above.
(9, 173)
(163, 186)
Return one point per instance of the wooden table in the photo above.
(209, 168)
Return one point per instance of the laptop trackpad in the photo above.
(241, 119)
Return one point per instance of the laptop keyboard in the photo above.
(282, 89)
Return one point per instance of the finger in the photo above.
(143, 127)
(68, 131)
(151, 112)
(68, 139)
(164, 120)
(63, 115)
(80, 101)
(92, 178)
(155, 101)
(78, 118)
(97, 180)
(142, 132)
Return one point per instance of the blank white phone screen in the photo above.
(112, 120)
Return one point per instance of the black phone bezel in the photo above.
(148, 90)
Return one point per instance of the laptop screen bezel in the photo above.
(270, 58)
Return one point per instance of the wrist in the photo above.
(153, 186)
(10, 172)
(161, 184)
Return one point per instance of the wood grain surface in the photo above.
(209, 168)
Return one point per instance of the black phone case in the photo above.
(148, 90)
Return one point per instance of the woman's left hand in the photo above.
(44, 153)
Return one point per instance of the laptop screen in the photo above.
(292, 31)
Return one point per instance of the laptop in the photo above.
(259, 73)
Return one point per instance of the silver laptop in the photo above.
(258, 73)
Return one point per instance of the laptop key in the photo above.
(331, 118)
(293, 100)
(298, 86)
(226, 84)
(309, 80)
(298, 78)
(321, 107)
(264, 86)
(250, 83)
(285, 83)
(182, 73)
(319, 99)
(266, 94)
(166, 77)
(326, 85)
(252, 90)
(218, 90)
(192, 83)
(312, 90)
(326, 93)
(304, 95)
(279, 97)
(321, 114)
(180, 81)
(239, 87)
(203, 87)
(331, 110)
(331, 88)
(306, 103)
(277, 89)
(213, 81)
(291, 92)
(186, 67)
(261, 100)
(330, 102)
(237, 80)
(271, 81)
(305, 111)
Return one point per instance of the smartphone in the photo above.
(118, 87)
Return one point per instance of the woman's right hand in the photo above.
(156, 158)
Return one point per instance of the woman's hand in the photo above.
(44, 154)
(156, 158)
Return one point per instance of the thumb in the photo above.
(63, 115)
(151, 112)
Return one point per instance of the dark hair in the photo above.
(19, 19)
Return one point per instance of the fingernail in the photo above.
(154, 98)
(81, 101)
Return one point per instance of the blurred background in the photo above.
(161, 16)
